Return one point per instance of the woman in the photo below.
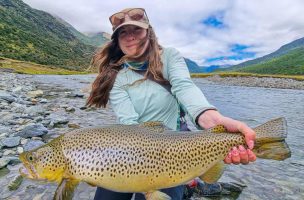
(146, 82)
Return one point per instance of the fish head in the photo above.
(43, 163)
(29, 168)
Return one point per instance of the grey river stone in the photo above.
(35, 110)
(3, 162)
(4, 129)
(7, 97)
(17, 107)
(32, 144)
(11, 141)
(33, 130)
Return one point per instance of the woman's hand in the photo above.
(211, 118)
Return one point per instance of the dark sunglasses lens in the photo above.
(136, 14)
(117, 19)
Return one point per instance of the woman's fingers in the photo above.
(240, 155)
(248, 133)
(251, 155)
(235, 156)
(228, 159)
(244, 157)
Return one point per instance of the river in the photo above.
(265, 179)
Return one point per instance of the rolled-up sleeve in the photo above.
(121, 104)
(187, 93)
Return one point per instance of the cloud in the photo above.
(200, 29)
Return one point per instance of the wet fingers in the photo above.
(228, 159)
(251, 155)
(243, 155)
(235, 156)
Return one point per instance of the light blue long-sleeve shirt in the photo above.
(148, 101)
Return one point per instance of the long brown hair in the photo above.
(108, 61)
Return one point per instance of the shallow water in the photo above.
(264, 179)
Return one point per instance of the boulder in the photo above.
(33, 130)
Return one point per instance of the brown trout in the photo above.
(143, 158)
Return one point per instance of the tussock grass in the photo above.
(241, 74)
(24, 67)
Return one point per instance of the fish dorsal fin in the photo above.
(217, 129)
(157, 195)
(154, 126)
(65, 189)
(214, 173)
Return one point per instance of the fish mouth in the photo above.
(28, 172)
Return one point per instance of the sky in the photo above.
(210, 32)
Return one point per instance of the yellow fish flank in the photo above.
(143, 158)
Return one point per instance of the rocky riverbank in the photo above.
(31, 115)
(267, 82)
(33, 112)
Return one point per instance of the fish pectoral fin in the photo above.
(65, 189)
(214, 173)
(156, 195)
(91, 184)
(217, 129)
(154, 126)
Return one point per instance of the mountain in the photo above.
(289, 59)
(99, 38)
(32, 35)
(195, 68)
(93, 39)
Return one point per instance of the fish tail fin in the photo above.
(270, 140)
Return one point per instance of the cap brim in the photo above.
(135, 23)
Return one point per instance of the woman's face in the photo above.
(130, 38)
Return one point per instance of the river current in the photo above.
(264, 179)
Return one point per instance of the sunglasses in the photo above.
(135, 14)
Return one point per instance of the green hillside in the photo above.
(96, 39)
(32, 35)
(289, 59)
(283, 50)
(291, 63)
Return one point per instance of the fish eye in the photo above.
(30, 157)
